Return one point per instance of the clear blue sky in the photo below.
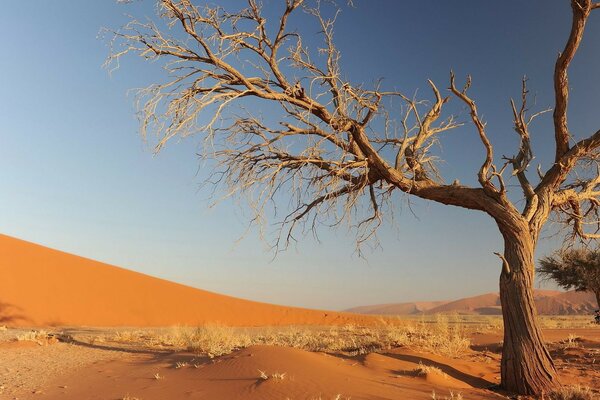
(76, 176)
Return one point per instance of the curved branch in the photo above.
(581, 10)
(484, 172)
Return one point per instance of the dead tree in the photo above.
(336, 150)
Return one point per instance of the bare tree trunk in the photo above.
(597, 293)
(526, 367)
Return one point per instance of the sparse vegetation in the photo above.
(337, 397)
(572, 341)
(40, 337)
(276, 375)
(423, 370)
(573, 393)
(128, 397)
(447, 336)
(180, 364)
(453, 396)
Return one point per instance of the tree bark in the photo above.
(526, 366)
(597, 293)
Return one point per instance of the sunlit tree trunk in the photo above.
(526, 366)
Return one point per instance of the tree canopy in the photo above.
(337, 150)
(577, 269)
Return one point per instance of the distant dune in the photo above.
(549, 302)
(398, 308)
(41, 287)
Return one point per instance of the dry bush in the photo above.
(40, 337)
(347, 339)
(137, 336)
(278, 376)
(337, 397)
(453, 396)
(573, 393)
(128, 397)
(445, 336)
(423, 370)
(215, 340)
(571, 342)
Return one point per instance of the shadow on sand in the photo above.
(474, 381)
(10, 313)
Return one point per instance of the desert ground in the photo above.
(407, 360)
(74, 328)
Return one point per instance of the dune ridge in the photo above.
(40, 286)
(548, 302)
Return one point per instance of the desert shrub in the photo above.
(136, 336)
(442, 337)
(573, 393)
(39, 337)
(453, 396)
(215, 340)
(439, 336)
(423, 369)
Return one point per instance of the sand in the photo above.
(548, 302)
(45, 287)
(102, 371)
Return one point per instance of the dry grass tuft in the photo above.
(158, 376)
(453, 396)
(423, 370)
(571, 342)
(215, 340)
(276, 375)
(40, 337)
(337, 397)
(573, 393)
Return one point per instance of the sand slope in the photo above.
(40, 286)
(308, 376)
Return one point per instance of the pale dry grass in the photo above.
(445, 337)
(158, 376)
(571, 342)
(128, 397)
(337, 397)
(278, 376)
(453, 396)
(573, 393)
(423, 370)
(40, 337)
(565, 321)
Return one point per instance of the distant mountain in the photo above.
(548, 302)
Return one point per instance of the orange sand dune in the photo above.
(548, 302)
(41, 287)
(417, 307)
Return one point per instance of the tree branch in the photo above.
(581, 10)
